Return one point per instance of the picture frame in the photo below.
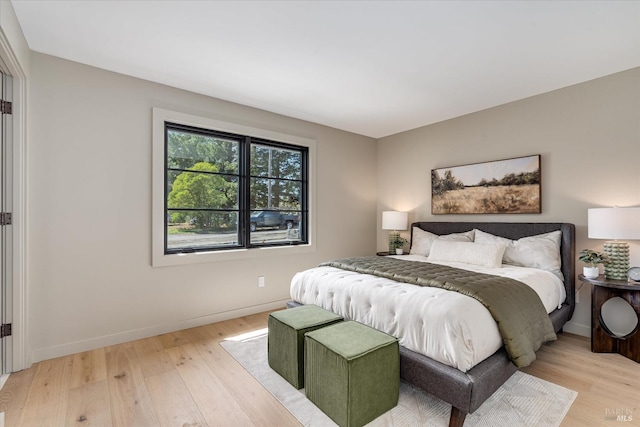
(507, 186)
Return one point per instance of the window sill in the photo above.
(163, 260)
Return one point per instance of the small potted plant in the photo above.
(592, 259)
(398, 244)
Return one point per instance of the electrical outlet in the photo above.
(577, 296)
(261, 281)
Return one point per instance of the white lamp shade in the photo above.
(394, 220)
(614, 223)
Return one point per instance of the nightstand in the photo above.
(602, 339)
(387, 253)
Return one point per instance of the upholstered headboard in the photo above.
(517, 230)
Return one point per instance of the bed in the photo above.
(464, 381)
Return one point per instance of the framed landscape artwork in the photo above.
(510, 186)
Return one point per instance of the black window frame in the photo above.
(244, 190)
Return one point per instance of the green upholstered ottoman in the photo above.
(352, 372)
(286, 338)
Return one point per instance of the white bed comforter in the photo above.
(446, 326)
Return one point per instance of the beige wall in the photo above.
(589, 139)
(91, 280)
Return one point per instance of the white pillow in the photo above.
(484, 254)
(541, 251)
(422, 240)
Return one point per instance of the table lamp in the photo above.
(615, 223)
(394, 220)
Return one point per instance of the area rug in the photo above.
(524, 400)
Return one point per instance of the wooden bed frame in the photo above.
(466, 391)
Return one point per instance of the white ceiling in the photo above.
(375, 68)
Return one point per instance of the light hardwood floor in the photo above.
(187, 379)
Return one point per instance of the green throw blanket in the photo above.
(521, 317)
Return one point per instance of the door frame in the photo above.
(6, 231)
(19, 357)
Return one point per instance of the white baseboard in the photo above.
(577, 328)
(3, 381)
(136, 334)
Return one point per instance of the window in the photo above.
(225, 191)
